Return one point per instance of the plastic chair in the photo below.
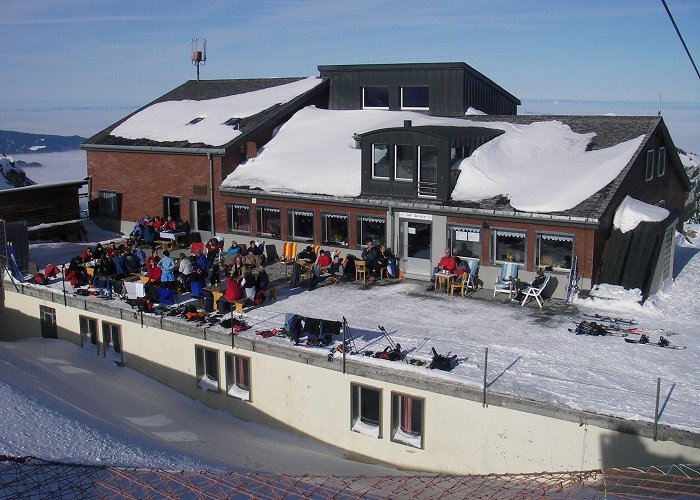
(536, 292)
(505, 283)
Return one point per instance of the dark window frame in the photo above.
(292, 225)
(649, 170)
(359, 233)
(207, 363)
(259, 211)
(325, 240)
(541, 235)
(47, 318)
(231, 208)
(360, 414)
(109, 207)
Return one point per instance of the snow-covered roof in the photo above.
(207, 121)
(314, 153)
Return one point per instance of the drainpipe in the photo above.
(211, 193)
(392, 230)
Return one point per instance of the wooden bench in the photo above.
(166, 244)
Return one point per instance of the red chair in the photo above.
(196, 246)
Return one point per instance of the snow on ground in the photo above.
(512, 164)
(173, 120)
(67, 404)
(532, 353)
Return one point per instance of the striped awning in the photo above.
(301, 212)
(556, 237)
(371, 219)
(336, 216)
(511, 234)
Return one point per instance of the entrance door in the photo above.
(416, 246)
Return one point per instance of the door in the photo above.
(416, 237)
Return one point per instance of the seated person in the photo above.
(262, 282)
(248, 284)
(76, 272)
(307, 256)
(373, 260)
(521, 286)
(336, 270)
(234, 248)
(389, 260)
(324, 259)
(446, 265)
(88, 256)
(111, 250)
(461, 267)
(232, 293)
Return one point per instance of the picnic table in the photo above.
(443, 281)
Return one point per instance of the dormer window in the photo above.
(235, 123)
(196, 120)
(403, 162)
(417, 98)
(375, 97)
(661, 165)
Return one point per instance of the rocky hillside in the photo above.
(12, 176)
(21, 142)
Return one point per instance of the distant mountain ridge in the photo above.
(22, 142)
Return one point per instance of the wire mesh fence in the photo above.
(34, 478)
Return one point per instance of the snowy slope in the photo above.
(12, 176)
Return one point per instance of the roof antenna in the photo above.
(659, 103)
(199, 57)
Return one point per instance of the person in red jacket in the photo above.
(447, 265)
(324, 259)
(232, 293)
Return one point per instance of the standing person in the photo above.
(248, 284)
(152, 269)
(166, 266)
(372, 259)
(212, 247)
(262, 282)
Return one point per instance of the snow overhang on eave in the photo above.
(549, 219)
(34, 187)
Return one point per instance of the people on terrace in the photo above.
(373, 260)
(446, 265)
(166, 266)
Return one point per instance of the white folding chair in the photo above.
(536, 292)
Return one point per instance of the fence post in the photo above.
(656, 412)
(486, 364)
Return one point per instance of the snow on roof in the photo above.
(205, 121)
(314, 154)
(631, 212)
(541, 167)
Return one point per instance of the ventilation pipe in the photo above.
(211, 193)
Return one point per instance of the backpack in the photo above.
(39, 279)
(259, 297)
(441, 362)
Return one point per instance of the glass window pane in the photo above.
(415, 97)
(334, 229)
(239, 219)
(301, 225)
(371, 228)
(509, 246)
(375, 97)
(369, 406)
(171, 207)
(269, 221)
(465, 242)
(555, 251)
(404, 162)
(380, 161)
(202, 215)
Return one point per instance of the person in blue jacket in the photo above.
(166, 266)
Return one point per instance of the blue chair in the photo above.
(474, 265)
(505, 283)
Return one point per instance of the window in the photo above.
(238, 218)
(456, 155)
(371, 228)
(403, 162)
(407, 420)
(415, 98)
(554, 250)
(509, 246)
(301, 225)
(238, 376)
(366, 410)
(171, 207)
(375, 97)
(269, 222)
(427, 171)
(111, 335)
(201, 215)
(207, 366)
(465, 241)
(649, 172)
(380, 161)
(334, 229)
(661, 166)
(47, 316)
(109, 204)
(88, 329)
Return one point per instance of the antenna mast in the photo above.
(199, 57)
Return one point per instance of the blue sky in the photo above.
(92, 53)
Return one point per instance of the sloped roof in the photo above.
(609, 131)
(206, 90)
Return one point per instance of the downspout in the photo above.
(392, 231)
(211, 193)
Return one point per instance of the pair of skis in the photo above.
(663, 342)
(571, 289)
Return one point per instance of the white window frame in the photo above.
(207, 379)
(230, 208)
(649, 170)
(49, 326)
(375, 87)
(661, 165)
(396, 165)
(361, 220)
(234, 386)
(259, 212)
(399, 435)
(357, 422)
(416, 108)
(324, 229)
(374, 162)
(454, 229)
